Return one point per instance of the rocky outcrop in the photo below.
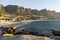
(11, 8)
(1, 7)
(27, 12)
(55, 32)
(2, 10)
(26, 37)
(31, 37)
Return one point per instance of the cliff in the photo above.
(15, 10)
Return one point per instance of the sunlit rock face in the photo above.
(2, 8)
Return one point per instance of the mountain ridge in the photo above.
(33, 13)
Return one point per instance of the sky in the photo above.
(34, 4)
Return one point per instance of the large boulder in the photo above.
(56, 32)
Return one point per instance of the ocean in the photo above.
(42, 27)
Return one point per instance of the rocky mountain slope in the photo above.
(15, 10)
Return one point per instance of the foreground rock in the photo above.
(26, 37)
(31, 37)
(56, 32)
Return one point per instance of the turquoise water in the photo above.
(37, 25)
(42, 25)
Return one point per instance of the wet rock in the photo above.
(56, 32)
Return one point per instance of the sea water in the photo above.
(36, 25)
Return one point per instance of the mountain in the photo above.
(11, 8)
(15, 10)
(2, 10)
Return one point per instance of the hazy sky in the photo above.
(34, 4)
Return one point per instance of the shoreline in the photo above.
(22, 22)
(31, 36)
(5, 24)
(38, 20)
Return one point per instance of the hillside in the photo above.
(28, 13)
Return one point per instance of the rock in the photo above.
(31, 37)
(27, 37)
(56, 32)
(33, 32)
(8, 8)
(8, 35)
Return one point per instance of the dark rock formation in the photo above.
(11, 8)
(32, 32)
(56, 32)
